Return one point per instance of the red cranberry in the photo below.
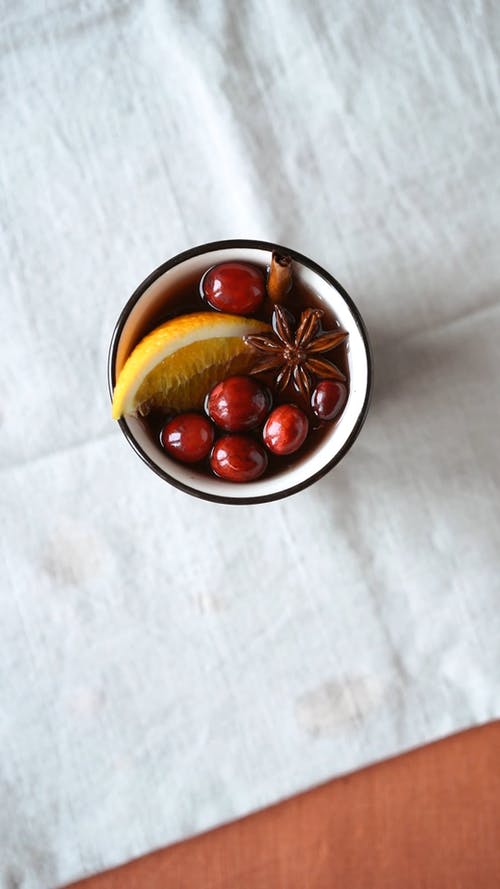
(238, 404)
(328, 399)
(188, 437)
(286, 429)
(238, 458)
(235, 287)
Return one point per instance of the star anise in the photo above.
(293, 354)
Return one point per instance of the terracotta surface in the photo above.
(427, 820)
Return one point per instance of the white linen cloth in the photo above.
(169, 664)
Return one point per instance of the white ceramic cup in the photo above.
(147, 303)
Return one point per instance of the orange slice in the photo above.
(176, 364)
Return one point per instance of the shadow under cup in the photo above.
(150, 301)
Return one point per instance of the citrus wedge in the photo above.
(176, 364)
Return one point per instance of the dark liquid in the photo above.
(187, 299)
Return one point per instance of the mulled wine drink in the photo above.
(238, 378)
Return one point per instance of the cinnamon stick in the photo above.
(279, 281)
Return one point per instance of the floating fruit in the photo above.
(285, 430)
(177, 363)
(236, 287)
(188, 437)
(238, 404)
(328, 399)
(238, 458)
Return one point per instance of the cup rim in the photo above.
(243, 243)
